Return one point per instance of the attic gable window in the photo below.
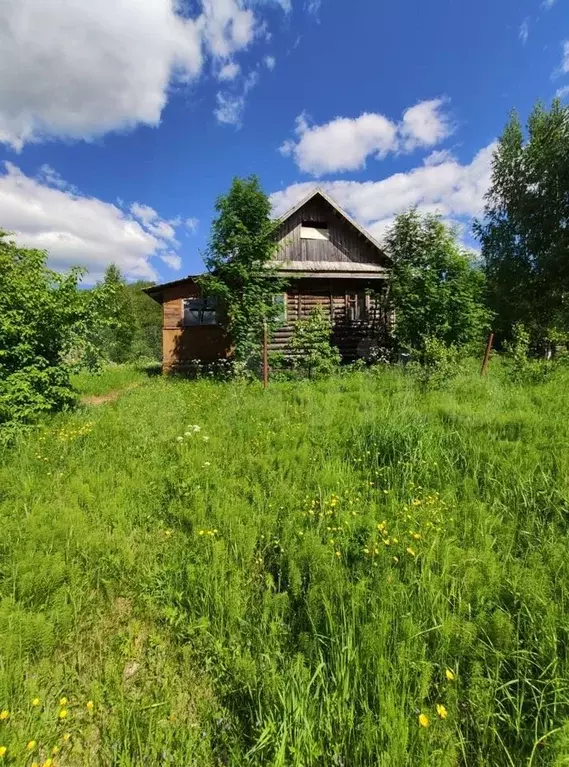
(314, 230)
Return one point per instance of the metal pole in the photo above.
(487, 354)
(265, 357)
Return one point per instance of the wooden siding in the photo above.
(353, 337)
(345, 243)
(181, 344)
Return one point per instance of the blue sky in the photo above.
(121, 121)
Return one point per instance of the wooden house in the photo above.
(327, 259)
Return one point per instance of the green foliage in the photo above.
(250, 598)
(437, 291)
(311, 347)
(525, 239)
(147, 341)
(241, 247)
(46, 324)
(117, 336)
(523, 369)
(438, 364)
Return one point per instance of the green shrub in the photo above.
(313, 352)
(46, 325)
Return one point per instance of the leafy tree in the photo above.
(241, 247)
(147, 342)
(118, 335)
(311, 345)
(437, 291)
(525, 233)
(46, 325)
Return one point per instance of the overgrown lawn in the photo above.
(301, 576)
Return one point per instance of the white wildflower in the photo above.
(205, 439)
(180, 439)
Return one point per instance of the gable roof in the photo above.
(319, 192)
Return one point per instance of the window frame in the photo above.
(208, 305)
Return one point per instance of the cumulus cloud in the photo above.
(270, 62)
(345, 143)
(80, 69)
(443, 185)
(80, 230)
(565, 61)
(563, 92)
(230, 104)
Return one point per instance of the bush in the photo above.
(313, 352)
(522, 368)
(46, 326)
(437, 364)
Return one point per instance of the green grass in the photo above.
(291, 590)
(110, 378)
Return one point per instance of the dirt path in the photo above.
(103, 399)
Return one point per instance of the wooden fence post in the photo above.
(265, 356)
(487, 354)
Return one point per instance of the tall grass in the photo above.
(294, 582)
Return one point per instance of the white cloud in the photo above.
(80, 69)
(424, 125)
(342, 144)
(192, 224)
(229, 71)
(227, 26)
(313, 6)
(524, 31)
(172, 260)
(270, 62)
(80, 230)
(547, 4)
(152, 222)
(345, 143)
(231, 104)
(562, 92)
(565, 62)
(454, 190)
(438, 157)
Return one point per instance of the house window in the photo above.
(280, 302)
(314, 230)
(199, 311)
(356, 306)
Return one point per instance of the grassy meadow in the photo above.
(339, 573)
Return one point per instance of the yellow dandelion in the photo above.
(4, 714)
(66, 737)
(3, 750)
(31, 745)
(338, 553)
(450, 675)
(410, 551)
(36, 702)
(55, 750)
(423, 720)
(35, 764)
(90, 705)
(396, 559)
(63, 702)
(48, 763)
(441, 711)
(63, 713)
